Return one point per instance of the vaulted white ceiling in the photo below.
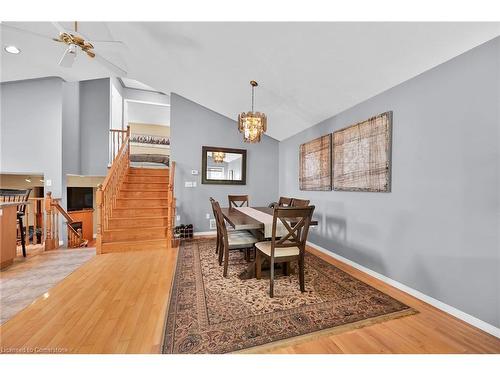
(307, 72)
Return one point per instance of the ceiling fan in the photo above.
(76, 41)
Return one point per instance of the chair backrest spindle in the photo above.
(296, 221)
(238, 200)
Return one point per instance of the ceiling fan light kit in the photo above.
(12, 49)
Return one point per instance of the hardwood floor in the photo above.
(116, 303)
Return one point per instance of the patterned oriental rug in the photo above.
(212, 314)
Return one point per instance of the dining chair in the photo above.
(238, 200)
(288, 247)
(230, 240)
(296, 202)
(283, 202)
(217, 245)
(21, 196)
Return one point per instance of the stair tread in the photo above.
(139, 217)
(135, 227)
(134, 241)
(147, 175)
(144, 183)
(139, 208)
(139, 189)
(142, 198)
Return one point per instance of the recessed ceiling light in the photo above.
(12, 49)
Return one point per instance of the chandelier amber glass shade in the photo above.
(218, 157)
(252, 125)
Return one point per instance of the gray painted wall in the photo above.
(94, 126)
(438, 230)
(71, 128)
(31, 129)
(193, 126)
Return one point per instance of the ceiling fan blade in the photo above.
(24, 31)
(119, 72)
(68, 58)
(59, 28)
(107, 41)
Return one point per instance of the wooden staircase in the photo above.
(136, 207)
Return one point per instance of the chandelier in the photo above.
(252, 124)
(218, 157)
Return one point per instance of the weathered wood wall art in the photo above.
(315, 170)
(362, 155)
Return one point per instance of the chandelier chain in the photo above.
(253, 96)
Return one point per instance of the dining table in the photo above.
(259, 221)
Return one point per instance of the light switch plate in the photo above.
(48, 182)
(207, 216)
(188, 184)
(193, 184)
(194, 172)
(178, 218)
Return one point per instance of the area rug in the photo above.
(212, 314)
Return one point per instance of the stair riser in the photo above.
(137, 223)
(148, 172)
(138, 186)
(115, 247)
(135, 235)
(146, 179)
(143, 194)
(138, 203)
(143, 212)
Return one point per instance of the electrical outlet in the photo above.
(194, 172)
(188, 184)
(212, 224)
(207, 216)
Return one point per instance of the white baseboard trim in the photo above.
(209, 233)
(489, 328)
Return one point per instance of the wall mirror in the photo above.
(226, 166)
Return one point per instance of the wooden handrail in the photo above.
(124, 148)
(66, 215)
(52, 209)
(108, 191)
(116, 140)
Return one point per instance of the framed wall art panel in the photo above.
(362, 155)
(315, 169)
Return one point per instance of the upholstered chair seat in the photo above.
(279, 252)
(240, 239)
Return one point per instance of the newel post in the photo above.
(99, 201)
(49, 224)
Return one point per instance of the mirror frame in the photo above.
(204, 152)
